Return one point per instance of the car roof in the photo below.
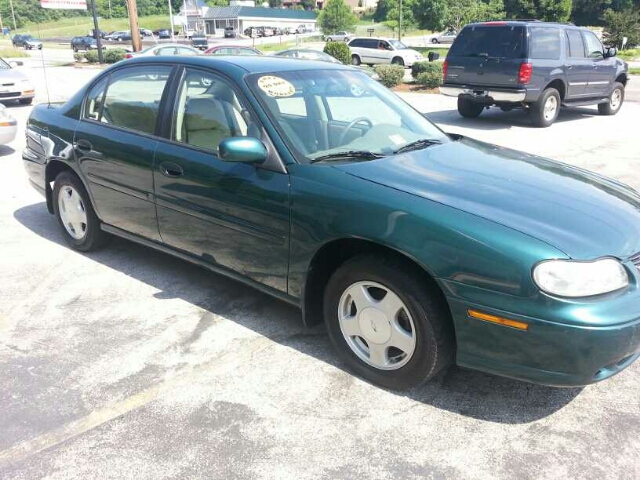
(249, 64)
(523, 23)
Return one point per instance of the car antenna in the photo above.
(44, 68)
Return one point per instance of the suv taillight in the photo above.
(524, 74)
(444, 69)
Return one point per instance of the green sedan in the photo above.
(312, 182)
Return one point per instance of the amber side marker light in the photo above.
(499, 320)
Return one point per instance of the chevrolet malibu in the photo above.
(315, 184)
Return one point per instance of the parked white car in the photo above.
(448, 36)
(8, 126)
(339, 37)
(371, 51)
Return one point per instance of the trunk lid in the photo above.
(487, 54)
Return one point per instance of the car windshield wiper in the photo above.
(364, 154)
(417, 145)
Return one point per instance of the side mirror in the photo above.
(242, 150)
(433, 56)
(15, 63)
(610, 52)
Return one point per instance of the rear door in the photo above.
(487, 55)
(114, 144)
(577, 66)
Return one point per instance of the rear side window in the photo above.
(133, 98)
(544, 43)
(576, 46)
(489, 41)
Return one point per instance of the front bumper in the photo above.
(485, 95)
(566, 343)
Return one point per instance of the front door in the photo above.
(114, 144)
(603, 70)
(234, 216)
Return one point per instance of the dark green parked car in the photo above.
(314, 183)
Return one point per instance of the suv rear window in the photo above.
(489, 41)
(544, 43)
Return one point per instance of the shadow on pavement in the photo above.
(6, 150)
(465, 392)
(496, 119)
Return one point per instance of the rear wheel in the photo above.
(329, 40)
(546, 109)
(388, 328)
(355, 60)
(79, 222)
(615, 101)
(468, 108)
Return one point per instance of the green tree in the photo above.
(431, 14)
(336, 16)
(547, 10)
(380, 15)
(625, 23)
(408, 19)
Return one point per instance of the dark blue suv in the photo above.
(535, 65)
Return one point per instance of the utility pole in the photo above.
(133, 25)
(13, 15)
(96, 31)
(171, 19)
(400, 20)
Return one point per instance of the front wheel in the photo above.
(546, 110)
(329, 40)
(468, 108)
(434, 41)
(615, 101)
(26, 101)
(397, 61)
(355, 60)
(387, 327)
(79, 222)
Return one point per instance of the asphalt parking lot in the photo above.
(128, 363)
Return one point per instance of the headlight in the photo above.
(569, 278)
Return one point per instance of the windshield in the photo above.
(397, 44)
(489, 41)
(326, 112)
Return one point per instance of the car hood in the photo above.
(11, 74)
(581, 213)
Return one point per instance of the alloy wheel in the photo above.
(616, 98)
(550, 108)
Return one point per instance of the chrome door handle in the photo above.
(170, 169)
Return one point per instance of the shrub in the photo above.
(430, 79)
(390, 75)
(79, 57)
(420, 67)
(339, 51)
(113, 56)
(91, 56)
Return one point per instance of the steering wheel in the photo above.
(351, 125)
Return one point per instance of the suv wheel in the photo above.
(355, 60)
(615, 101)
(397, 61)
(546, 109)
(468, 108)
(387, 328)
(79, 222)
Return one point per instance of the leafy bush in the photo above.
(390, 75)
(420, 67)
(113, 56)
(91, 56)
(78, 57)
(339, 51)
(430, 79)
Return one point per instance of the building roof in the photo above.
(258, 12)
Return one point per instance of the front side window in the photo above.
(594, 47)
(544, 43)
(576, 45)
(208, 111)
(133, 98)
(326, 112)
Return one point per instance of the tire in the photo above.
(75, 50)
(612, 107)
(422, 309)
(92, 237)
(397, 61)
(434, 41)
(355, 60)
(26, 101)
(468, 108)
(329, 40)
(541, 115)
